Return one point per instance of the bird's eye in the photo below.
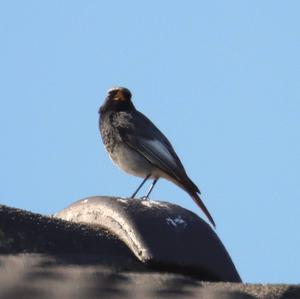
(110, 94)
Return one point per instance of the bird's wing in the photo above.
(145, 138)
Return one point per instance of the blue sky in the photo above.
(220, 79)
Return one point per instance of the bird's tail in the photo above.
(194, 192)
(201, 205)
(185, 183)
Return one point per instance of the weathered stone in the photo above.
(162, 235)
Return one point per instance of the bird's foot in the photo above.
(144, 198)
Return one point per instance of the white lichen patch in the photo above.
(177, 221)
(122, 200)
(152, 204)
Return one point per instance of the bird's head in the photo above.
(117, 99)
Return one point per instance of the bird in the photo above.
(139, 148)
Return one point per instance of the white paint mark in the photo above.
(177, 221)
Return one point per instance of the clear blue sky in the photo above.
(221, 80)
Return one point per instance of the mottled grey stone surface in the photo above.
(160, 234)
(30, 276)
(79, 261)
(22, 231)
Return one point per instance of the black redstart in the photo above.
(139, 148)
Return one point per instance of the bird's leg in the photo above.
(140, 186)
(150, 190)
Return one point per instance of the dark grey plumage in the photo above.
(138, 147)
